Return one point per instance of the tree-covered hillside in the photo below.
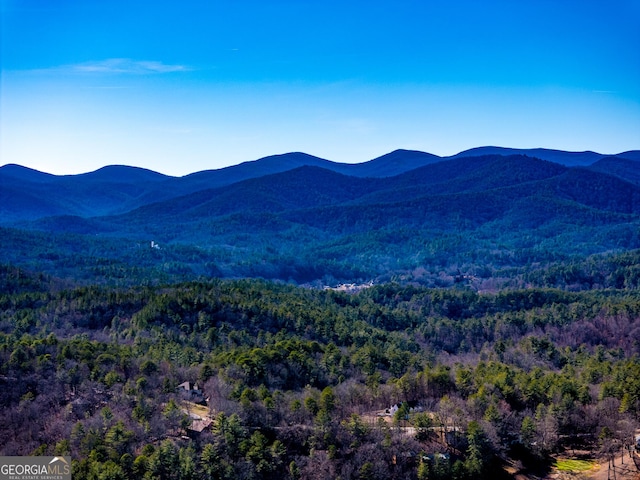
(392, 382)
(489, 217)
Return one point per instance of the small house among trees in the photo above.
(198, 425)
(191, 393)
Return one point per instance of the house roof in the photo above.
(200, 425)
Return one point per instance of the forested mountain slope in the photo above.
(620, 167)
(302, 381)
(490, 215)
(117, 189)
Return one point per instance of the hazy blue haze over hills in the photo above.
(571, 159)
(618, 166)
(299, 217)
(117, 189)
(18, 172)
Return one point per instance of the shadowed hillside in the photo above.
(497, 216)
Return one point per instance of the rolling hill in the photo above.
(620, 167)
(570, 159)
(457, 188)
(28, 194)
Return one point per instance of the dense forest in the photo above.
(394, 381)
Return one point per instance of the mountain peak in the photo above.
(122, 174)
(569, 159)
(396, 162)
(402, 153)
(21, 173)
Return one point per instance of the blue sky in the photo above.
(179, 87)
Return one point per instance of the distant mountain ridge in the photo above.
(315, 187)
(389, 164)
(570, 159)
(302, 218)
(28, 194)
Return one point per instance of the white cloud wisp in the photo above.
(118, 66)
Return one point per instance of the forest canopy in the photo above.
(256, 379)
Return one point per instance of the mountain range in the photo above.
(28, 194)
(302, 218)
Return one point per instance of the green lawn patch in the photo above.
(567, 465)
(200, 410)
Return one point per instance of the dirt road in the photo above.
(617, 471)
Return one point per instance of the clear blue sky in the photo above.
(190, 85)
